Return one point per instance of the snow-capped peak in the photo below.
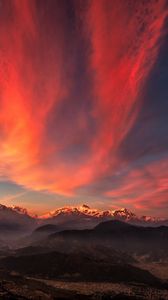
(124, 213)
(16, 213)
(19, 209)
(87, 211)
(14, 208)
(85, 206)
(84, 210)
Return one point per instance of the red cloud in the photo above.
(124, 39)
(37, 74)
(144, 188)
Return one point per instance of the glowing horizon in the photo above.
(83, 104)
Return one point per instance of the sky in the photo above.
(84, 104)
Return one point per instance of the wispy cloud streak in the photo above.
(40, 72)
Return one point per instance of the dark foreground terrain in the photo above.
(17, 287)
(112, 261)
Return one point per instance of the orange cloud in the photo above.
(144, 188)
(32, 70)
(37, 74)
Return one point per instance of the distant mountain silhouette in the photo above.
(14, 219)
(109, 252)
(48, 228)
(82, 217)
(114, 225)
(119, 236)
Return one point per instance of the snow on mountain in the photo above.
(16, 217)
(83, 213)
(83, 210)
(122, 214)
(20, 210)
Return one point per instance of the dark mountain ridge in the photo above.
(117, 235)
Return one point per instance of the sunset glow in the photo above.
(84, 104)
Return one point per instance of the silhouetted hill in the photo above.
(47, 228)
(118, 235)
(119, 229)
(114, 225)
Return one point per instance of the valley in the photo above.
(62, 259)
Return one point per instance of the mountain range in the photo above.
(122, 214)
(71, 217)
(72, 244)
(115, 247)
(15, 218)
